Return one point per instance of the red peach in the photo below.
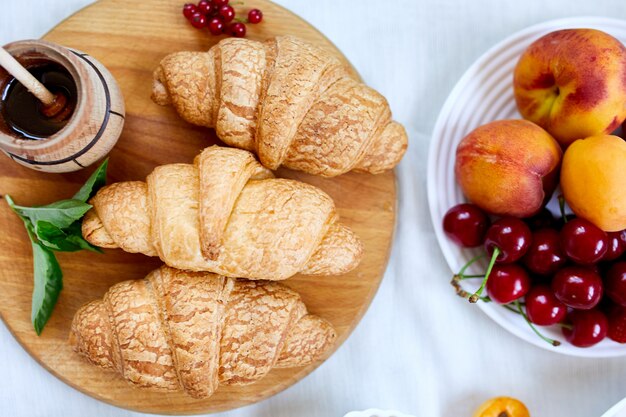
(573, 83)
(508, 167)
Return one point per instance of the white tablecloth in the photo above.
(419, 348)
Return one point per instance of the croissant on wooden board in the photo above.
(192, 331)
(291, 103)
(225, 214)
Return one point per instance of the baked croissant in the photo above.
(225, 214)
(290, 102)
(193, 331)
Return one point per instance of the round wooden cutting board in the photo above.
(130, 38)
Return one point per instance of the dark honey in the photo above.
(22, 111)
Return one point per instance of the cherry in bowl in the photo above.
(466, 224)
(578, 287)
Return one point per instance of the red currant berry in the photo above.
(238, 30)
(216, 26)
(227, 12)
(545, 256)
(543, 308)
(588, 327)
(583, 242)
(189, 10)
(205, 7)
(219, 3)
(578, 287)
(507, 283)
(466, 225)
(616, 246)
(198, 20)
(255, 16)
(615, 282)
(617, 324)
(512, 238)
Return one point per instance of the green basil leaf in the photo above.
(48, 285)
(61, 213)
(63, 240)
(96, 181)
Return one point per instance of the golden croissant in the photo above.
(225, 214)
(193, 331)
(290, 102)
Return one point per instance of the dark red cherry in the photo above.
(615, 283)
(578, 287)
(617, 324)
(589, 327)
(507, 283)
(542, 220)
(542, 306)
(466, 225)
(583, 242)
(616, 246)
(512, 238)
(544, 255)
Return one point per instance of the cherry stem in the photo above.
(476, 296)
(562, 208)
(532, 326)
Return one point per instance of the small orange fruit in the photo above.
(502, 407)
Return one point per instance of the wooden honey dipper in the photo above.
(54, 105)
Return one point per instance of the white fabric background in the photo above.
(419, 349)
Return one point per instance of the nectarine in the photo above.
(593, 181)
(508, 167)
(573, 83)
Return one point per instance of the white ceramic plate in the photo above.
(618, 410)
(376, 413)
(484, 94)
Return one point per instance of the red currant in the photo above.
(588, 327)
(198, 20)
(583, 242)
(216, 26)
(238, 30)
(615, 282)
(189, 9)
(512, 238)
(219, 3)
(255, 16)
(227, 12)
(578, 287)
(545, 256)
(616, 246)
(507, 283)
(466, 225)
(543, 308)
(205, 7)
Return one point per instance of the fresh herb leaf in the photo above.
(96, 181)
(48, 285)
(55, 227)
(68, 240)
(61, 213)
